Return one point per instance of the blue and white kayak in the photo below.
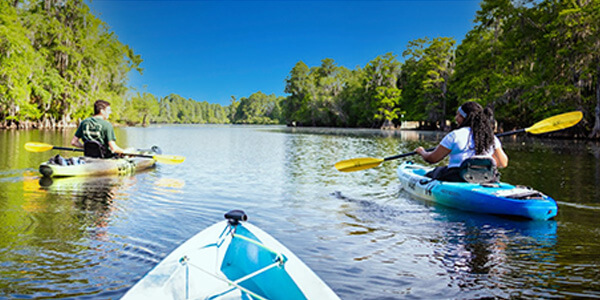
(497, 198)
(231, 260)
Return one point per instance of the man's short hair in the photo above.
(99, 105)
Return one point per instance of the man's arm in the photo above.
(114, 148)
(75, 142)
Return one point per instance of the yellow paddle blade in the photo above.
(169, 159)
(555, 123)
(357, 164)
(37, 147)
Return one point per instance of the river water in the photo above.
(94, 238)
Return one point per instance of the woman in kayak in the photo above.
(474, 137)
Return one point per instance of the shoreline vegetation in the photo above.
(527, 61)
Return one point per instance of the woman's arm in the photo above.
(434, 156)
(500, 157)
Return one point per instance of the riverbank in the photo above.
(41, 124)
(47, 125)
(577, 132)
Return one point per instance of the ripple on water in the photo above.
(95, 237)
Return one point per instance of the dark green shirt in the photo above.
(97, 129)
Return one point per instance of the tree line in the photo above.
(56, 59)
(145, 108)
(527, 60)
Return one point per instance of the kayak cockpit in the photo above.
(231, 260)
(257, 268)
(249, 267)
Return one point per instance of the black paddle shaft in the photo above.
(81, 150)
(67, 148)
(510, 132)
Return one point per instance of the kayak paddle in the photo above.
(551, 124)
(166, 159)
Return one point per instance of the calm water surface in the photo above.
(94, 238)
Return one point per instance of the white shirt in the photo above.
(461, 145)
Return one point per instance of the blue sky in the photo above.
(212, 50)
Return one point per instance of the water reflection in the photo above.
(172, 185)
(43, 245)
(473, 248)
(460, 254)
(92, 197)
(62, 243)
(403, 135)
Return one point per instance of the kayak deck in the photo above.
(97, 166)
(497, 198)
(234, 262)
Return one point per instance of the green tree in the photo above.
(388, 100)
(431, 65)
(575, 33)
(531, 59)
(258, 108)
(18, 63)
(146, 107)
(232, 108)
(58, 59)
(383, 71)
(298, 85)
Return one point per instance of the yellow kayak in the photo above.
(87, 166)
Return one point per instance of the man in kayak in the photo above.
(474, 137)
(97, 133)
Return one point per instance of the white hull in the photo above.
(195, 269)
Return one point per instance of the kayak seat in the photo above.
(479, 170)
(94, 149)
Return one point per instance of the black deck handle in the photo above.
(235, 216)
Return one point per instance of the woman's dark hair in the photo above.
(99, 105)
(482, 123)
